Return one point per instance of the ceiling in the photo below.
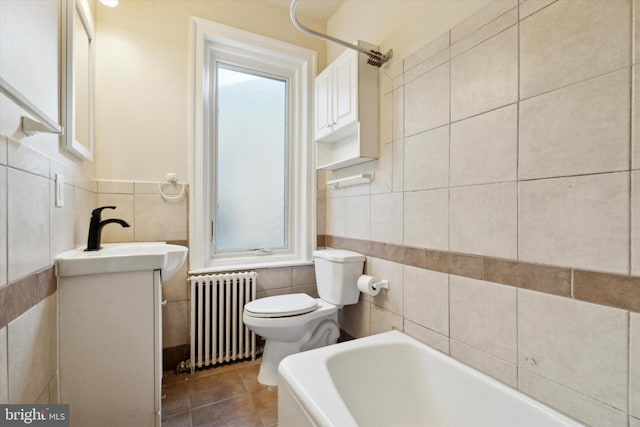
(318, 10)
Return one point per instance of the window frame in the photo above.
(289, 235)
(212, 43)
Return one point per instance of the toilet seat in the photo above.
(281, 306)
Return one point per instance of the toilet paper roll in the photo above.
(365, 284)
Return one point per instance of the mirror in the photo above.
(78, 79)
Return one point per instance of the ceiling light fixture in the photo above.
(109, 3)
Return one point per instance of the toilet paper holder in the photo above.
(382, 284)
(371, 285)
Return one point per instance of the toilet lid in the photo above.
(281, 306)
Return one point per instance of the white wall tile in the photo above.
(397, 114)
(115, 186)
(336, 216)
(357, 214)
(484, 220)
(389, 75)
(175, 324)
(145, 187)
(426, 298)
(583, 408)
(586, 352)
(28, 224)
(156, 219)
(62, 222)
(427, 336)
(321, 215)
(636, 31)
(579, 129)
(485, 362)
(580, 222)
(427, 51)
(26, 159)
(3, 150)
(528, 7)
(634, 365)
(384, 172)
(558, 44)
(486, 76)
(355, 319)
(386, 218)
(177, 287)
(426, 101)
(491, 29)
(83, 202)
(386, 118)
(426, 160)
(397, 166)
(390, 299)
(429, 64)
(484, 148)
(384, 320)
(426, 219)
(3, 225)
(28, 354)
(483, 315)
(635, 116)
(481, 18)
(274, 278)
(4, 373)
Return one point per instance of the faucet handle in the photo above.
(98, 211)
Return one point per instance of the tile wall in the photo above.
(32, 232)
(504, 210)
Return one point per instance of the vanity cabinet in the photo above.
(346, 113)
(111, 348)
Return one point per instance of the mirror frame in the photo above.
(68, 77)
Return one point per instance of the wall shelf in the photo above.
(346, 121)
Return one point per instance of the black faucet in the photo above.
(95, 228)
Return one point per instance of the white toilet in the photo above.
(297, 322)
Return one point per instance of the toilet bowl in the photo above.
(297, 322)
(287, 334)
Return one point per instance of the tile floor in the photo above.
(228, 395)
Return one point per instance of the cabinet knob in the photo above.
(164, 302)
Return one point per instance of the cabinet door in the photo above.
(345, 78)
(324, 101)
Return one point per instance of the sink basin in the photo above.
(119, 257)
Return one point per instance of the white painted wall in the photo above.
(142, 82)
(401, 25)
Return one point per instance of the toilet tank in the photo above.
(337, 273)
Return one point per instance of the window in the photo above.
(252, 182)
(251, 168)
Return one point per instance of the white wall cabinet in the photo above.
(111, 348)
(346, 122)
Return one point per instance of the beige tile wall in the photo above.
(32, 232)
(525, 151)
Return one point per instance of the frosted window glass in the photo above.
(251, 161)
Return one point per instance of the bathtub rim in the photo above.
(314, 389)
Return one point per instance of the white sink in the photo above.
(118, 257)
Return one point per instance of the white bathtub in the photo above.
(391, 379)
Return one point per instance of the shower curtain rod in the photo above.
(375, 58)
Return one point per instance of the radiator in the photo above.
(217, 332)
